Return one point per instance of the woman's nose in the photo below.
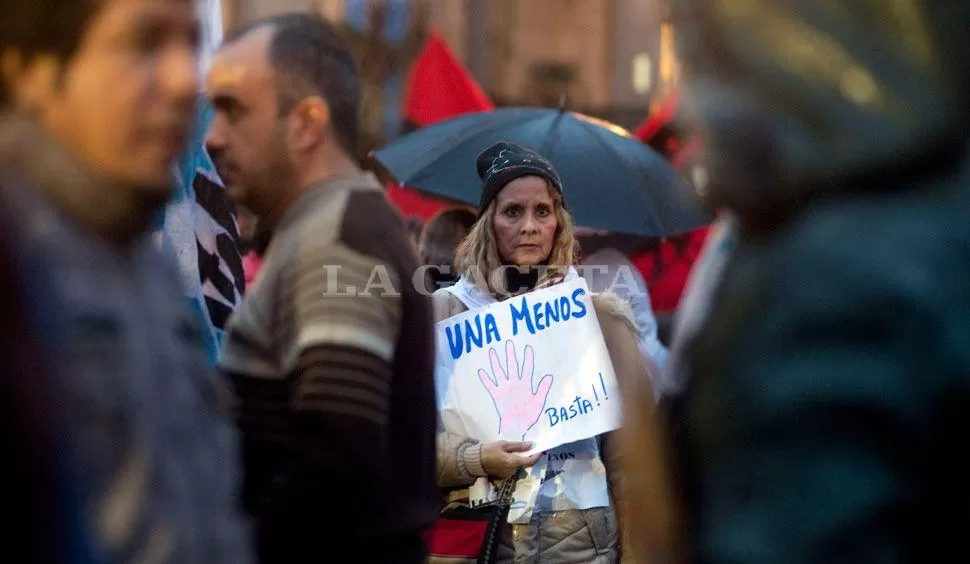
(529, 224)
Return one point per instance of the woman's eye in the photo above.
(542, 212)
(512, 212)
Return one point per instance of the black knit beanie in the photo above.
(503, 162)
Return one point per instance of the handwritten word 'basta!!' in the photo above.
(579, 406)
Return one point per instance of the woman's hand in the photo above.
(499, 458)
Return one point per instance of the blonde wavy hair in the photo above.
(477, 258)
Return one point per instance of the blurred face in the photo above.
(247, 138)
(525, 221)
(126, 101)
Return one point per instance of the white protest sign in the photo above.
(533, 367)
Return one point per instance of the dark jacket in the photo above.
(830, 386)
(152, 458)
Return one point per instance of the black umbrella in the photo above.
(610, 179)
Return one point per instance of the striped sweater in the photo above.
(332, 357)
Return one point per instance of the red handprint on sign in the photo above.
(518, 405)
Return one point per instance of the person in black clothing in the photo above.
(828, 385)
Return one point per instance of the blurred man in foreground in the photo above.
(97, 102)
(829, 388)
(332, 349)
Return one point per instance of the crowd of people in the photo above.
(811, 407)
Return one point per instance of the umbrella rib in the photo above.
(548, 144)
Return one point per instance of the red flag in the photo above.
(415, 204)
(662, 116)
(666, 268)
(440, 87)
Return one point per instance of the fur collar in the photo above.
(616, 307)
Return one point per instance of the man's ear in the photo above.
(30, 82)
(309, 122)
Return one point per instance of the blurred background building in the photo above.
(611, 59)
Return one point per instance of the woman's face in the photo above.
(525, 221)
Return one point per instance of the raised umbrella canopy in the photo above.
(610, 179)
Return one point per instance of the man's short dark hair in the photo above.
(442, 234)
(39, 27)
(310, 58)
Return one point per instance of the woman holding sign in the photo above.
(523, 242)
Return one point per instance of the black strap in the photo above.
(499, 516)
